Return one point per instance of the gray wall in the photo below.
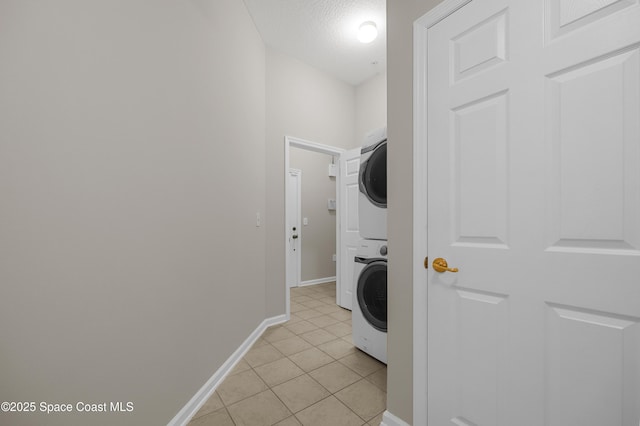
(318, 238)
(305, 103)
(371, 106)
(400, 17)
(128, 129)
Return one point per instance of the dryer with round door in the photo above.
(372, 199)
(369, 314)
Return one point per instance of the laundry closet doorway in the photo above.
(316, 230)
(326, 229)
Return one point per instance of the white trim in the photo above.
(441, 11)
(205, 392)
(389, 419)
(313, 146)
(420, 202)
(290, 141)
(420, 249)
(317, 281)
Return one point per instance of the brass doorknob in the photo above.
(440, 265)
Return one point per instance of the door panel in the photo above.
(564, 16)
(593, 200)
(576, 373)
(482, 342)
(294, 200)
(481, 47)
(349, 169)
(480, 171)
(533, 192)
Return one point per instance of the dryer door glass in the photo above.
(374, 176)
(372, 294)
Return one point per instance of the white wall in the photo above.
(371, 106)
(305, 103)
(127, 130)
(318, 237)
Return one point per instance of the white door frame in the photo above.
(293, 142)
(420, 31)
(298, 200)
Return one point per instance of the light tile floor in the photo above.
(303, 372)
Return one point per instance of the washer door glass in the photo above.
(372, 294)
(373, 177)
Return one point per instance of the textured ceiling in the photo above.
(323, 33)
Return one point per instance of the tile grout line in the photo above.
(315, 297)
(361, 377)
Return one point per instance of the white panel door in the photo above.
(294, 212)
(533, 171)
(350, 233)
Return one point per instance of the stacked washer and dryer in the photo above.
(369, 315)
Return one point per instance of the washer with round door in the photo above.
(369, 314)
(372, 198)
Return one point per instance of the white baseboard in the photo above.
(317, 281)
(198, 400)
(389, 419)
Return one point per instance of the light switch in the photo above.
(305, 221)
